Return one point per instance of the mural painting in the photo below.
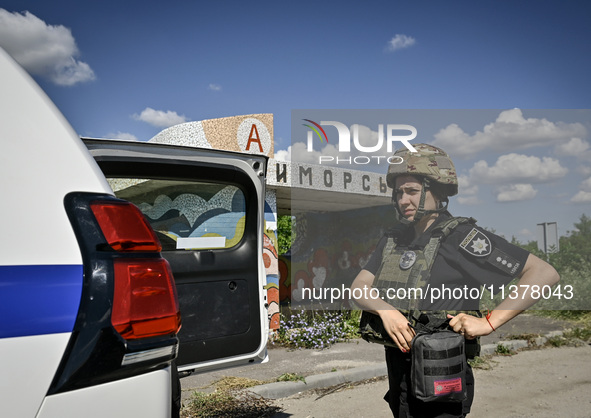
(272, 270)
(271, 260)
(284, 279)
(328, 256)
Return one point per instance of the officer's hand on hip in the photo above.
(469, 326)
(398, 328)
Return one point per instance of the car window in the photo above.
(187, 215)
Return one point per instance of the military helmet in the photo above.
(429, 162)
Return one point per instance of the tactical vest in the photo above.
(405, 273)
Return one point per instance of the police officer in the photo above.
(430, 249)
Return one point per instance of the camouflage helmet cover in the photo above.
(430, 162)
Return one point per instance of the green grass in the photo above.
(557, 341)
(504, 351)
(582, 318)
(482, 363)
(291, 377)
(583, 334)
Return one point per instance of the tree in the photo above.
(583, 227)
(579, 241)
(284, 237)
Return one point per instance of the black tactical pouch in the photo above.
(438, 368)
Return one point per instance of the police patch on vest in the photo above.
(407, 260)
(503, 262)
(476, 243)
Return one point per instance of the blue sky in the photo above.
(131, 68)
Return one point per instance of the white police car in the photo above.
(89, 312)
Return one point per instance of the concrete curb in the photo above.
(278, 390)
(284, 389)
(518, 344)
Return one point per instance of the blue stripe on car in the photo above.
(37, 300)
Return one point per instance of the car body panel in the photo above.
(142, 396)
(42, 160)
(28, 366)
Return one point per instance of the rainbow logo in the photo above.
(316, 130)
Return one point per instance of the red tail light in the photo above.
(145, 302)
(129, 312)
(124, 227)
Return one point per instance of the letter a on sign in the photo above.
(254, 137)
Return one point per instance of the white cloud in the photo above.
(214, 87)
(572, 148)
(45, 50)
(466, 187)
(160, 118)
(283, 155)
(400, 41)
(122, 135)
(515, 192)
(584, 195)
(517, 168)
(367, 137)
(509, 132)
(581, 197)
(300, 153)
(467, 191)
(586, 185)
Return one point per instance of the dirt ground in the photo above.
(552, 382)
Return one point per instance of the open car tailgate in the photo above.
(207, 208)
